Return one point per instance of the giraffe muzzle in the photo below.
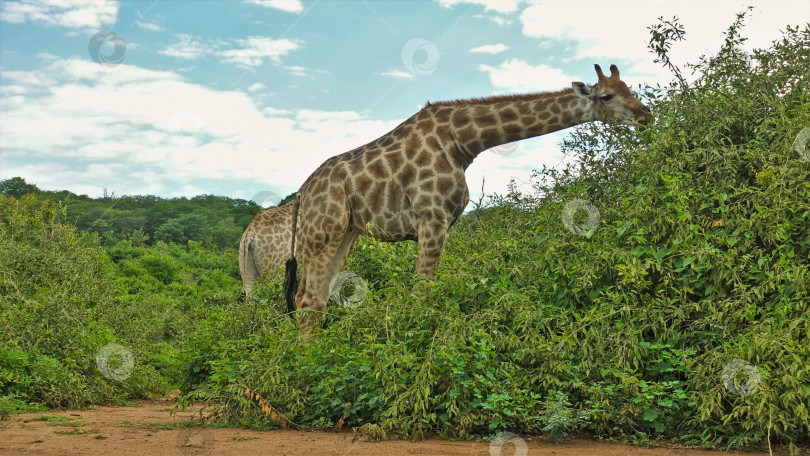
(646, 118)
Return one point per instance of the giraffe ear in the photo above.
(581, 89)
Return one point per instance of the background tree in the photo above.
(16, 187)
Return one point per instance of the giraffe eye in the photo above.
(607, 97)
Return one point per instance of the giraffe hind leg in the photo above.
(320, 269)
(247, 266)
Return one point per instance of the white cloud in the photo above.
(119, 127)
(187, 47)
(275, 112)
(15, 89)
(256, 49)
(500, 6)
(256, 86)
(74, 14)
(494, 18)
(297, 70)
(290, 6)
(150, 26)
(47, 56)
(515, 75)
(620, 31)
(490, 48)
(398, 74)
(29, 78)
(253, 51)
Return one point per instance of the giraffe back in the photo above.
(389, 184)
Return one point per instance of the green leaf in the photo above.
(661, 253)
(650, 414)
(622, 229)
(638, 251)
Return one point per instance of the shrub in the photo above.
(55, 286)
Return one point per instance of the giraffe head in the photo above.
(613, 101)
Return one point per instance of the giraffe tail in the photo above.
(291, 266)
(290, 284)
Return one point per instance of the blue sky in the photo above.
(246, 98)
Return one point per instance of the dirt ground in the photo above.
(123, 431)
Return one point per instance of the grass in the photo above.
(58, 420)
(154, 427)
(244, 437)
(76, 431)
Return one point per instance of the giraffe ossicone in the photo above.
(409, 183)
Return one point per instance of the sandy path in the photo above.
(119, 431)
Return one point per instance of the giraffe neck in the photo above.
(477, 125)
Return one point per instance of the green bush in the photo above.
(56, 287)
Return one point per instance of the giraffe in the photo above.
(264, 244)
(409, 183)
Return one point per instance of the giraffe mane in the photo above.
(500, 98)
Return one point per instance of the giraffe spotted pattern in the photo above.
(409, 183)
(265, 244)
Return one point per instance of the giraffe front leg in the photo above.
(432, 237)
